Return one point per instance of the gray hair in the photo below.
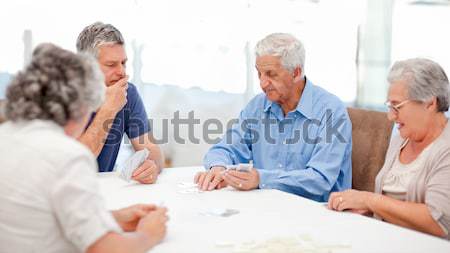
(98, 34)
(57, 85)
(425, 80)
(287, 47)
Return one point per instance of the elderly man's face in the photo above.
(112, 60)
(276, 81)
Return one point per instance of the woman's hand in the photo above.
(153, 225)
(129, 217)
(352, 200)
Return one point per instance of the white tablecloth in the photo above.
(263, 214)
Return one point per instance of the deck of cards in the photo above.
(133, 163)
(243, 167)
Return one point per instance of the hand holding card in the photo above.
(243, 167)
(133, 163)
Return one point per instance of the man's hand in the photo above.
(147, 173)
(129, 217)
(116, 95)
(243, 181)
(210, 180)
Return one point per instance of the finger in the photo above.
(147, 207)
(147, 180)
(146, 174)
(139, 213)
(240, 175)
(233, 181)
(217, 179)
(342, 205)
(331, 199)
(208, 179)
(358, 211)
(146, 164)
(222, 184)
(197, 177)
(152, 168)
(123, 81)
(201, 179)
(161, 210)
(336, 201)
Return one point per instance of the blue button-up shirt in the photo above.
(306, 152)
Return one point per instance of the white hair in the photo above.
(425, 80)
(57, 85)
(98, 34)
(290, 50)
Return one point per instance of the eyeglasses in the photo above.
(395, 108)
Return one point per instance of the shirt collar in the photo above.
(304, 106)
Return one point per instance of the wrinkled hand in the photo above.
(210, 180)
(129, 217)
(147, 173)
(243, 181)
(153, 225)
(116, 95)
(352, 200)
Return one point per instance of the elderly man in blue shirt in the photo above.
(297, 134)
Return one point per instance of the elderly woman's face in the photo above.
(410, 116)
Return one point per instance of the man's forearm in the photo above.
(95, 135)
(156, 155)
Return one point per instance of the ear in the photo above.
(433, 105)
(297, 73)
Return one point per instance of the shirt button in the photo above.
(280, 165)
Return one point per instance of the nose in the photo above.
(391, 115)
(120, 71)
(264, 81)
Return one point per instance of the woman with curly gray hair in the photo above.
(412, 189)
(49, 197)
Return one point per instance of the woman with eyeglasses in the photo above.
(412, 189)
(49, 196)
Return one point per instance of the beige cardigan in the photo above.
(431, 185)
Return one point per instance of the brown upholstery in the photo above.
(371, 134)
(2, 115)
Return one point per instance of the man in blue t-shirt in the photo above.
(123, 110)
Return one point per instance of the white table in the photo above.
(264, 214)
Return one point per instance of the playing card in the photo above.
(190, 191)
(219, 212)
(187, 185)
(132, 163)
(243, 167)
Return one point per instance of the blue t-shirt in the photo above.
(132, 120)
